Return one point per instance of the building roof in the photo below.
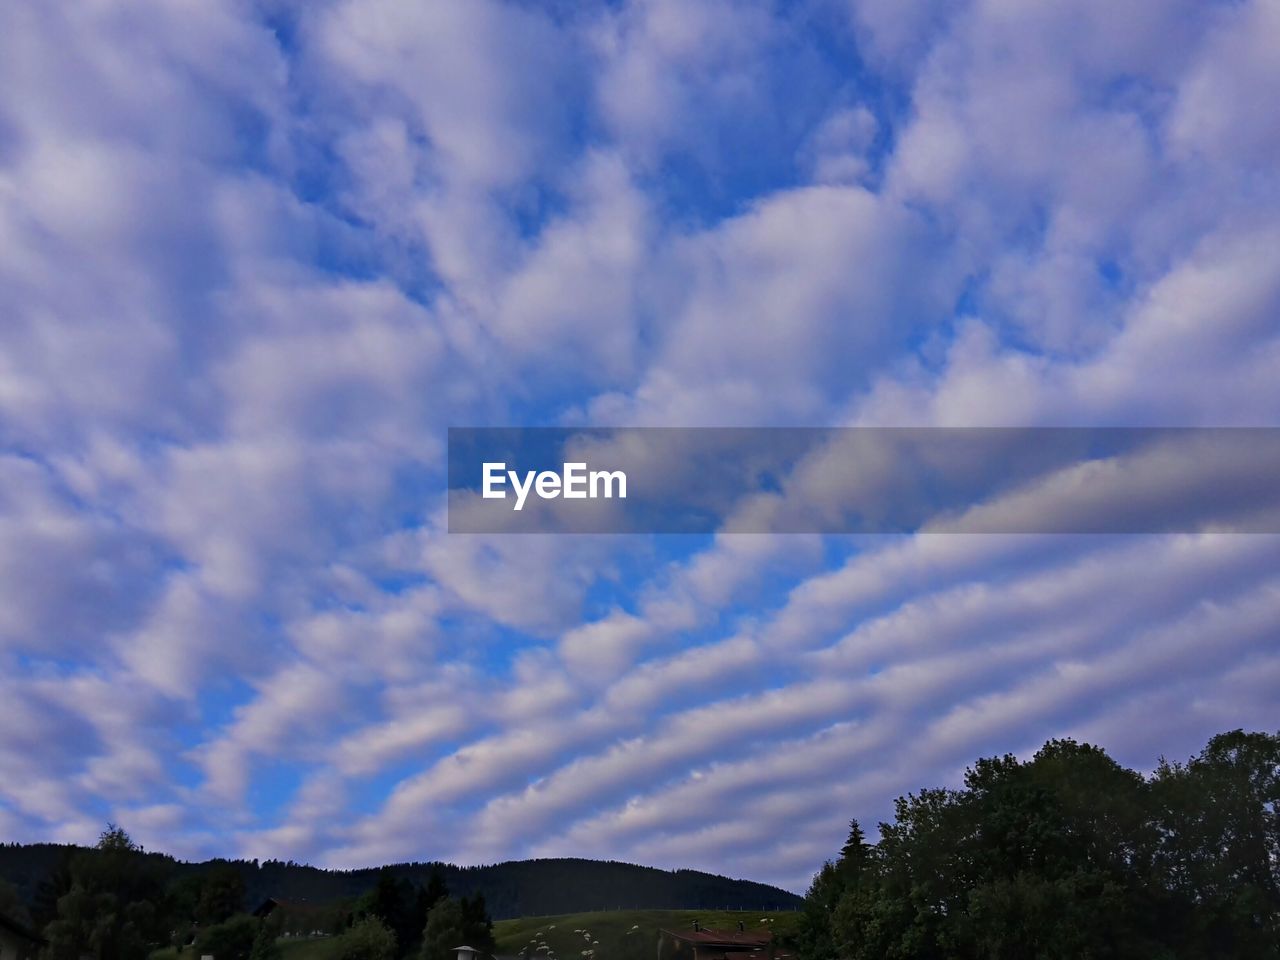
(724, 938)
(294, 906)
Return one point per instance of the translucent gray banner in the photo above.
(864, 480)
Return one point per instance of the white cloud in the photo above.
(837, 150)
(787, 308)
(668, 69)
(247, 284)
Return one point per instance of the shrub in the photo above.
(369, 939)
(232, 940)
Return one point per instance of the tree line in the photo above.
(115, 902)
(1066, 856)
(512, 889)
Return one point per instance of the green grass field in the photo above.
(321, 949)
(614, 929)
(307, 949)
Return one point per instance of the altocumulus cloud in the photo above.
(255, 258)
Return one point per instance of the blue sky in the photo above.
(256, 258)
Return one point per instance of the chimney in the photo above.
(696, 928)
(742, 927)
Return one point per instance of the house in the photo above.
(302, 918)
(267, 907)
(703, 944)
(16, 941)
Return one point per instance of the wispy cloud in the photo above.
(255, 260)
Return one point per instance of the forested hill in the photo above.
(518, 888)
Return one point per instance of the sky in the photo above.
(257, 258)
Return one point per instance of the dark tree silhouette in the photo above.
(1067, 855)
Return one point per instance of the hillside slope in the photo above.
(516, 888)
(627, 933)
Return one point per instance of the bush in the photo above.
(369, 939)
(232, 940)
(445, 930)
(265, 946)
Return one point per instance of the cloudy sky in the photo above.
(256, 258)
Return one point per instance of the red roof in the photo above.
(723, 938)
(294, 906)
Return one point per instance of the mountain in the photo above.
(517, 888)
